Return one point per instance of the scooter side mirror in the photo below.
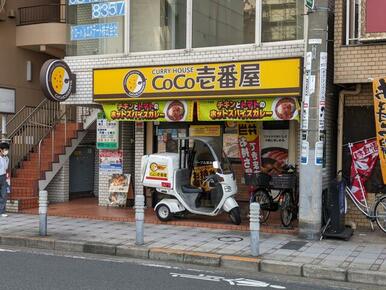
(216, 165)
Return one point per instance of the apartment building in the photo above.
(31, 31)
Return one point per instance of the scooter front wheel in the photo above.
(163, 213)
(235, 215)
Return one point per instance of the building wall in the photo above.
(355, 63)
(13, 59)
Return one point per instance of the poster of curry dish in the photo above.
(170, 111)
(118, 189)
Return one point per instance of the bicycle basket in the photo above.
(283, 181)
(258, 179)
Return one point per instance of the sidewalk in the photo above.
(362, 259)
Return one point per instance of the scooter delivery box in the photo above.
(158, 170)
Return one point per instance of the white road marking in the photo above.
(6, 250)
(174, 267)
(241, 282)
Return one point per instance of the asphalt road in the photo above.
(32, 269)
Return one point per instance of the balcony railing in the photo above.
(50, 13)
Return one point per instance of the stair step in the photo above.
(19, 191)
(24, 182)
(32, 173)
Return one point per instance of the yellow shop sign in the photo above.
(199, 81)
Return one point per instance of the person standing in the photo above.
(4, 162)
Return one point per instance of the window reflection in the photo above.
(157, 25)
(223, 22)
(282, 20)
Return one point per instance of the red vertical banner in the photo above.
(364, 156)
(249, 146)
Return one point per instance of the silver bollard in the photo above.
(43, 204)
(254, 227)
(139, 219)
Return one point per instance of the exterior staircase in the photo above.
(39, 148)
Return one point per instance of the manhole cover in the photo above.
(294, 245)
(230, 239)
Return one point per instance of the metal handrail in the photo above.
(81, 114)
(18, 118)
(52, 132)
(42, 103)
(48, 13)
(34, 126)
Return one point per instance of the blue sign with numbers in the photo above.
(108, 9)
(94, 31)
(79, 2)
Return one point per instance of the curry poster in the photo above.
(164, 111)
(259, 109)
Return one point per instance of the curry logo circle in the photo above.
(134, 83)
(56, 80)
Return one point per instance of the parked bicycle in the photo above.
(276, 193)
(374, 212)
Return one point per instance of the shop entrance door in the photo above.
(82, 172)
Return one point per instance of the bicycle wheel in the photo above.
(380, 213)
(262, 197)
(286, 208)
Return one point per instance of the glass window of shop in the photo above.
(223, 22)
(157, 25)
(96, 28)
(282, 20)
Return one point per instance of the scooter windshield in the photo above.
(209, 150)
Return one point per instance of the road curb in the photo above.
(255, 265)
(286, 268)
(366, 276)
(241, 263)
(322, 272)
(166, 255)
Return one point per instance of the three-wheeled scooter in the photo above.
(171, 174)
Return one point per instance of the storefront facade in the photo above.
(196, 84)
(256, 101)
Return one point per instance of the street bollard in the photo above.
(43, 203)
(139, 219)
(254, 227)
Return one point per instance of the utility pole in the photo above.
(312, 125)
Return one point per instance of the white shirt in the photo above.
(4, 161)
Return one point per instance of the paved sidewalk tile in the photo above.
(362, 252)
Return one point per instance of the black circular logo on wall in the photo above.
(56, 80)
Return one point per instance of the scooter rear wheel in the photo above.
(163, 213)
(235, 215)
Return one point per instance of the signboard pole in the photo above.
(313, 128)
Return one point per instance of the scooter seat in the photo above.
(191, 189)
